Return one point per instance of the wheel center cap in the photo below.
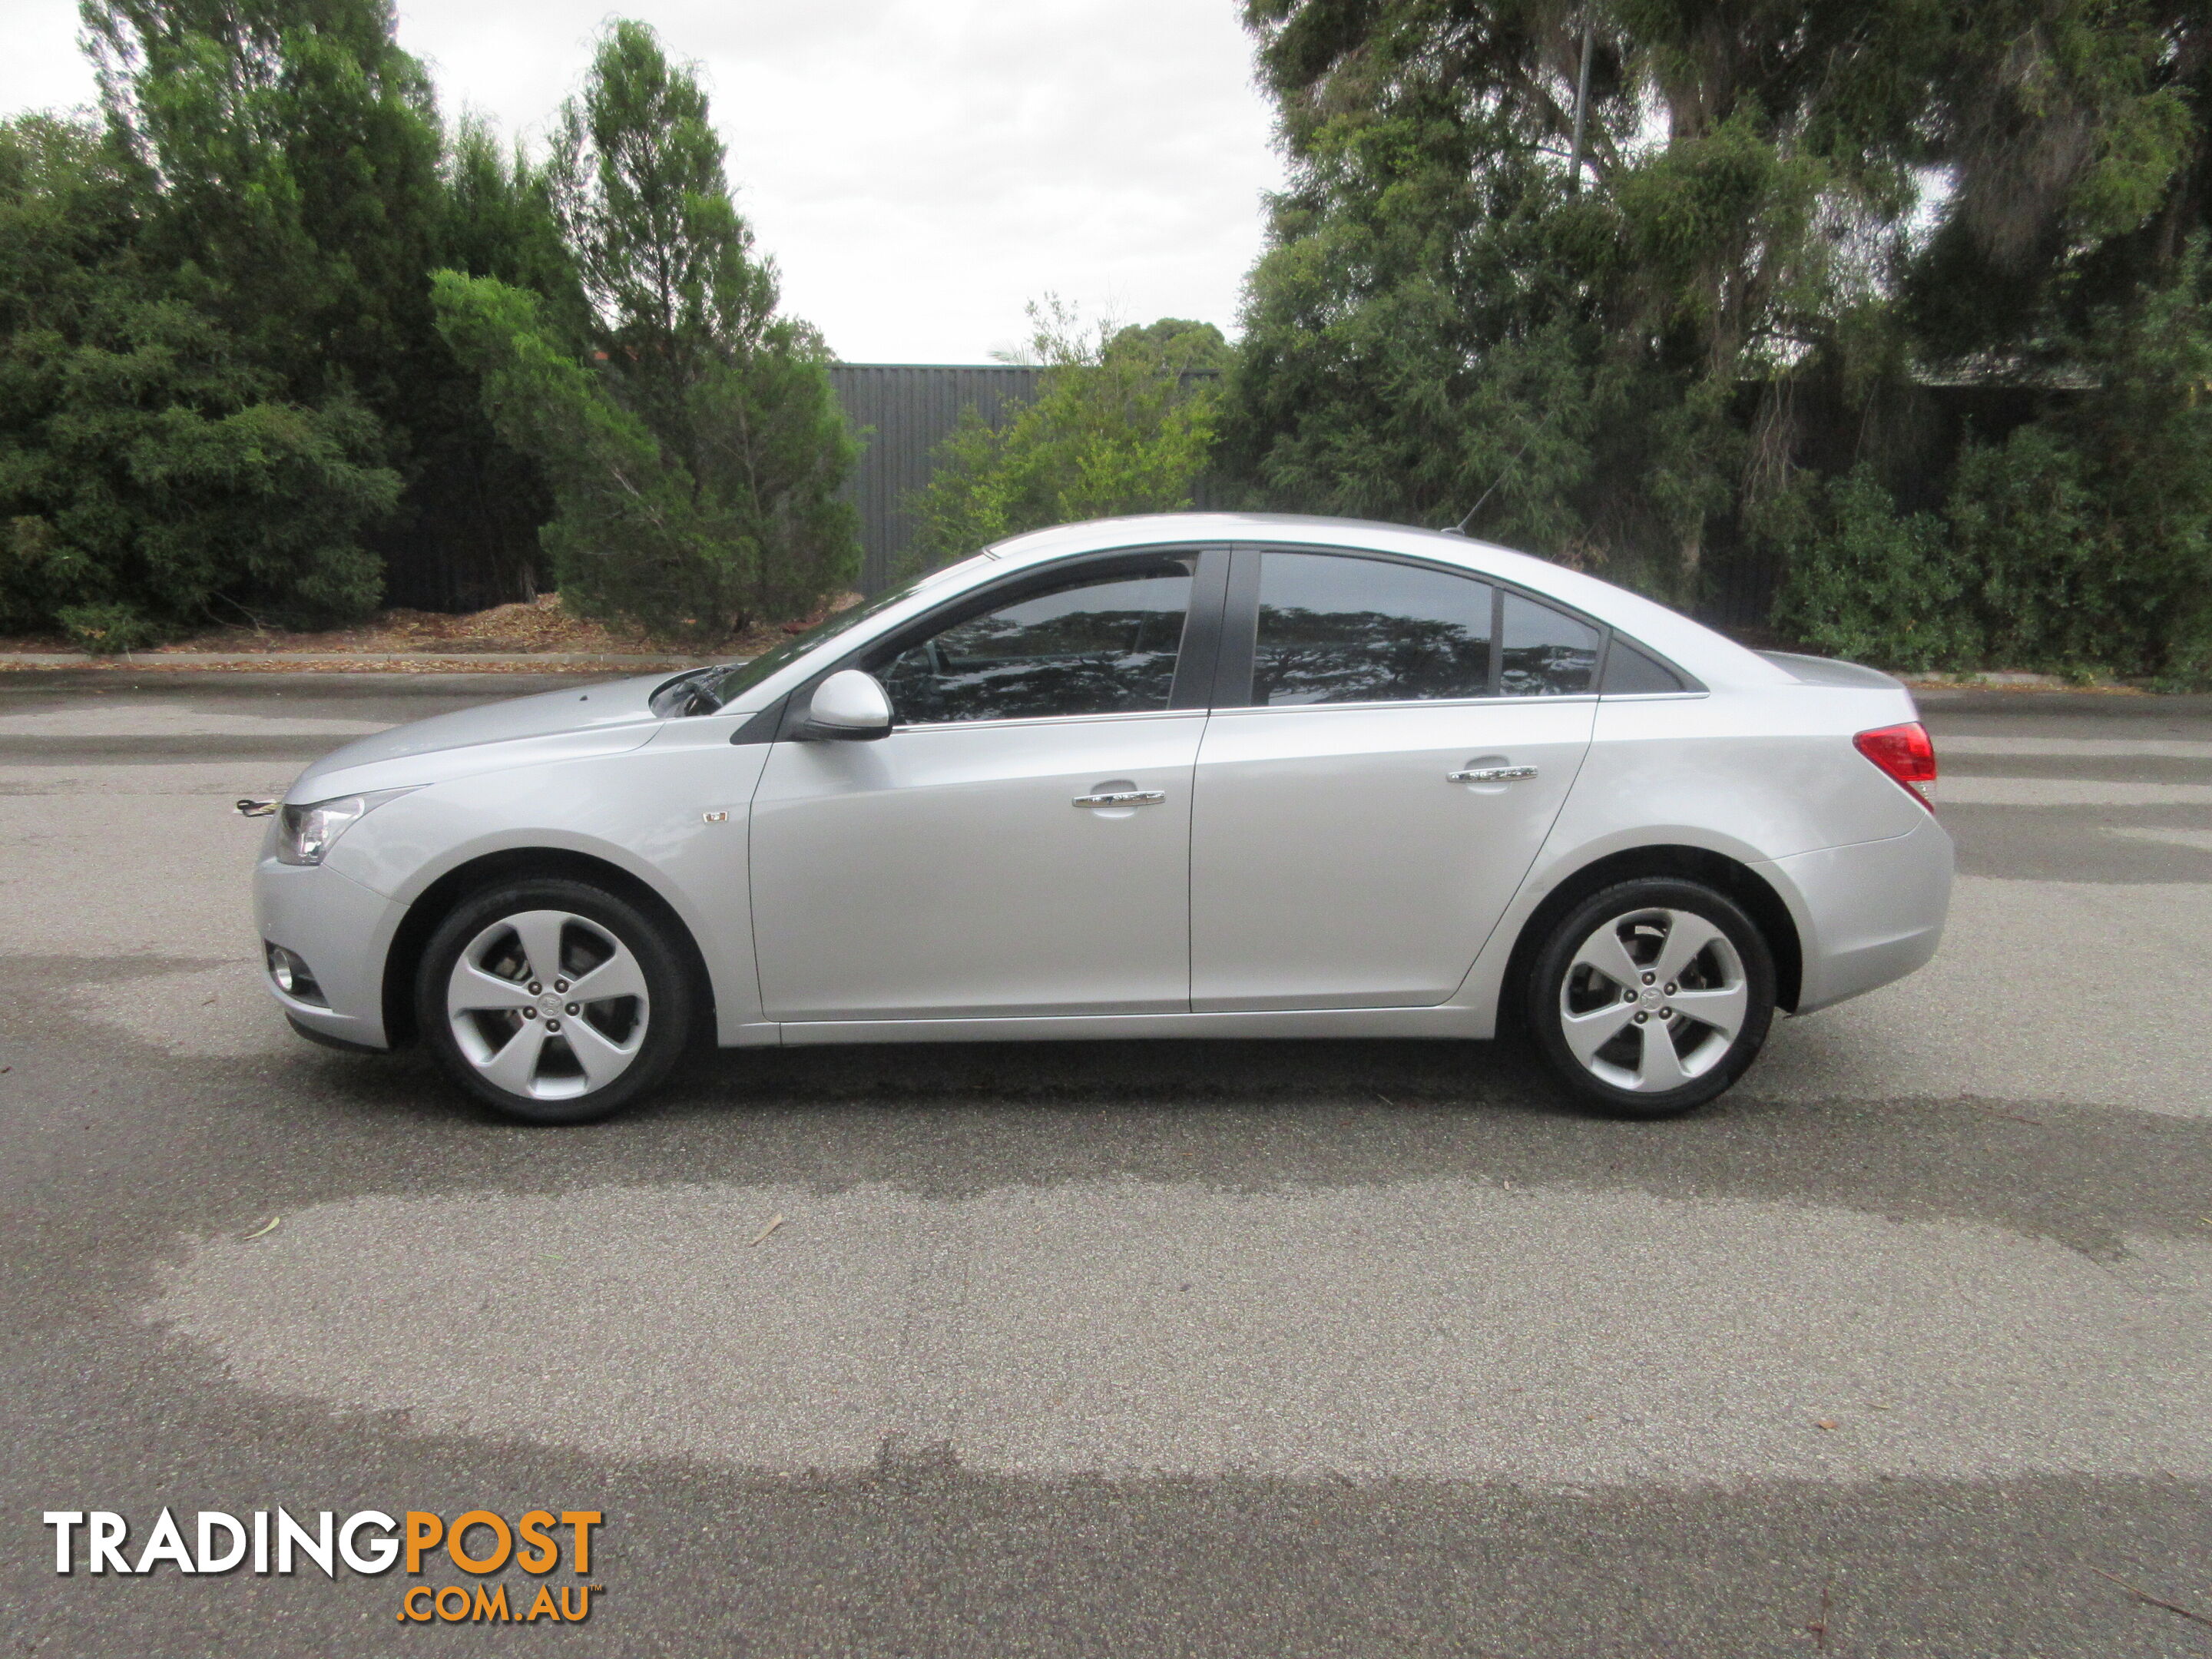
(548, 1005)
(1652, 996)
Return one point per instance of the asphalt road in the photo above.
(1339, 1349)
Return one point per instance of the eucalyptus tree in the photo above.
(1627, 277)
(1444, 320)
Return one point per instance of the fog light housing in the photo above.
(293, 976)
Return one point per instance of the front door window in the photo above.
(1093, 644)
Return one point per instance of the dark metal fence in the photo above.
(900, 412)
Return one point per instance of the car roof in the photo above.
(1712, 656)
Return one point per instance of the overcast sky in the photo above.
(919, 169)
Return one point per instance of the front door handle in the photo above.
(1491, 775)
(1124, 797)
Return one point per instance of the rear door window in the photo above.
(1335, 628)
(1547, 654)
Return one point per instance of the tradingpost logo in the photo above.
(368, 1542)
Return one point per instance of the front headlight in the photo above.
(306, 833)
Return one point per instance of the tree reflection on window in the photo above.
(1547, 654)
(1100, 646)
(1337, 629)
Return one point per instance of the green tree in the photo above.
(2073, 136)
(152, 475)
(695, 461)
(1706, 322)
(2088, 532)
(292, 167)
(475, 489)
(1123, 421)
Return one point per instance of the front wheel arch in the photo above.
(1731, 876)
(442, 897)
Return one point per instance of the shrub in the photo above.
(1869, 583)
(107, 630)
(1118, 426)
(2022, 522)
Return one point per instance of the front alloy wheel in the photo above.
(553, 1001)
(1653, 996)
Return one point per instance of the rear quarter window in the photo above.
(1629, 671)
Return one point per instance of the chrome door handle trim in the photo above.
(1124, 797)
(1491, 775)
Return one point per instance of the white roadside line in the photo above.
(1970, 790)
(2158, 748)
(2199, 839)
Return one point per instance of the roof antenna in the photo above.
(1460, 529)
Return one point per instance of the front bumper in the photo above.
(342, 932)
(1870, 912)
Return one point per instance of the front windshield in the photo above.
(716, 688)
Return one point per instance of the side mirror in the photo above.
(849, 705)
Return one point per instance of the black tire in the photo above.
(595, 916)
(1622, 1076)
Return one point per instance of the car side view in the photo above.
(1197, 775)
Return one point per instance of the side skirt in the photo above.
(1448, 1021)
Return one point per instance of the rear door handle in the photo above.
(1124, 797)
(1491, 775)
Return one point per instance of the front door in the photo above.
(1361, 825)
(1019, 843)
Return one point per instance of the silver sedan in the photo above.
(1189, 775)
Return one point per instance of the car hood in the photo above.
(596, 720)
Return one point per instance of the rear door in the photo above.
(1390, 745)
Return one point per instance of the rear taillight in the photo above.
(1907, 753)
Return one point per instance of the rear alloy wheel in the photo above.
(554, 1000)
(1652, 997)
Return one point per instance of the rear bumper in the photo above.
(1867, 914)
(343, 933)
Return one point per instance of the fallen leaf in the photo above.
(264, 1230)
(766, 1230)
(1825, 1423)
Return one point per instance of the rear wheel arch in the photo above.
(1731, 876)
(454, 888)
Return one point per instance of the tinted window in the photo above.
(1547, 654)
(1628, 671)
(1093, 645)
(1336, 629)
(711, 688)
